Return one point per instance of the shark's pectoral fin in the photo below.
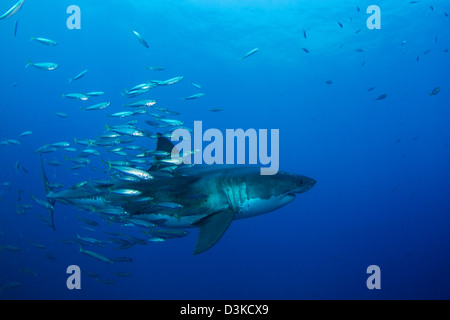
(211, 229)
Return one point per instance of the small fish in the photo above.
(10, 285)
(44, 41)
(85, 142)
(89, 240)
(169, 81)
(45, 149)
(371, 88)
(25, 133)
(340, 24)
(248, 54)
(78, 76)
(169, 205)
(329, 82)
(381, 97)
(142, 86)
(28, 271)
(15, 28)
(104, 183)
(215, 109)
(13, 10)
(127, 192)
(91, 152)
(168, 233)
(10, 248)
(38, 245)
(196, 85)
(435, 91)
(194, 96)
(306, 50)
(141, 174)
(80, 160)
(172, 122)
(43, 203)
(76, 96)
(77, 167)
(61, 114)
(94, 94)
(48, 66)
(156, 68)
(98, 106)
(304, 33)
(135, 93)
(140, 38)
(158, 153)
(141, 104)
(113, 211)
(133, 132)
(11, 142)
(62, 144)
(53, 163)
(95, 255)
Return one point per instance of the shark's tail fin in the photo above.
(48, 190)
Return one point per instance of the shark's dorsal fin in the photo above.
(211, 229)
(162, 144)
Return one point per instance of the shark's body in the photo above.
(206, 197)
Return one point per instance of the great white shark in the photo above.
(207, 197)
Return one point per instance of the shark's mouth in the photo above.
(292, 194)
(305, 186)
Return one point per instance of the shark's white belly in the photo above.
(254, 207)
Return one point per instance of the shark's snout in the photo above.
(304, 184)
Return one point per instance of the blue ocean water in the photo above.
(381, 165)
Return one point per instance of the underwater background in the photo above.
(364, 112)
